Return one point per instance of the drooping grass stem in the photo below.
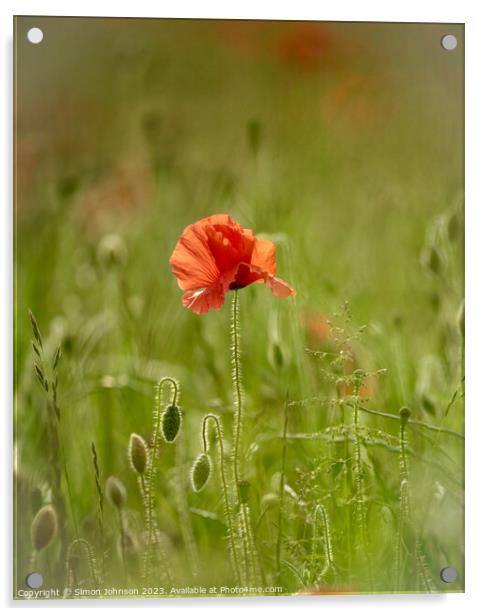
(414, 422)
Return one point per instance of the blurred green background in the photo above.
(340, 142)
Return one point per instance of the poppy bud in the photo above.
(431, 260)
(44, 527)
(137, 453)
(201, 471)
(428, 404)
(453, 226)
(171, 420)
(116, 492)
(112, 251)
(358, 379)
(276, 355)
(404, 414)
(36, 499)
(243, 488)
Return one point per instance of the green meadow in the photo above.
(342, 143)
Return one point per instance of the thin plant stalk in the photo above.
(423, 570)
(282, 491)
(151, 470)
(320, 512)
(90, 557)
(347, 487)
(361, 510)
(237, 387)
(225, 490)
(122, 542)
(404, 513)
(243, 540)
(180, 494)
(99, 492)
(403, 495)
(251, 566)
(56, 446)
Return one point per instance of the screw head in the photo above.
(448, 574)
(34, 580)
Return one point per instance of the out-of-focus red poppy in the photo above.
(215, 255)
(123, 193)
(317, 329)
(308, 46)
(357, 100)
(311, 46)
(367, 389)
(246, 37)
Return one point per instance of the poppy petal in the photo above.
(229, 245)
(192, 261)
(200, 301)
(264, 257)
(279, 287)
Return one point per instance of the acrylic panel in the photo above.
(239, 308)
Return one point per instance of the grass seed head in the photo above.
(44, 527)
(35, 329)
(116, 492)
(137, 453)
(201, 471)
(171, 420)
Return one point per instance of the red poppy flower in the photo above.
(215, 255)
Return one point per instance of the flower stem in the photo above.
(243, 530)
(361, 509)
(321, 513)
(281, 492)
(183, 509)
(157, 418)
(122, 543)
(237, 386)
(90, 557)
(403, 500)
(225, 491)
